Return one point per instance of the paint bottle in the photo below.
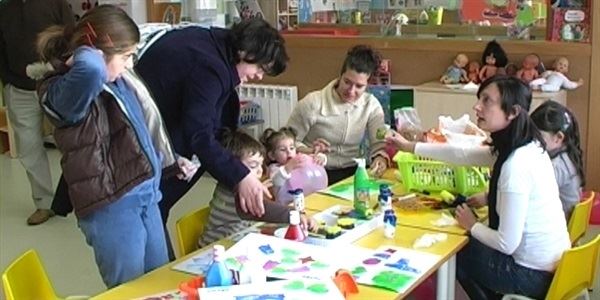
(298, 198)
(361, 189)
(389, 223)
(294, 232)
(384, 198)
(218, 274)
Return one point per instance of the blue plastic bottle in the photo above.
(218, 274)
(389, 223)
(384, 198)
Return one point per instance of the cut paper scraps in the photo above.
(393, 268)
(293, 289)
(329, 218)
(345, 189)
(287, 259)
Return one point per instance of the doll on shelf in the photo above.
(473, 71)
(456, 72)
(554, 80)
(529, 72)
(495, 60)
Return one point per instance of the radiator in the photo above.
(276, 102)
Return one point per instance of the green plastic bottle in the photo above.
(361, 190)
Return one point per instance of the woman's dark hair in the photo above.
(493, 48)
(254, 41)
(271, 137)
(240, 143)
(521, 130)
(105, 27)
(362, 59)
(554, 117)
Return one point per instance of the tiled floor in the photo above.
(68, 260)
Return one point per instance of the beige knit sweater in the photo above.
(322, 114)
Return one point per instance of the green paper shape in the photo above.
(318, 288)
(294, 285)
(288, 260)
(391, 280)
(279, 270)
(359, 270)
(232, 263)
(318, 264)
(289, 252)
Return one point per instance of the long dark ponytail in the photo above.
(554, 117)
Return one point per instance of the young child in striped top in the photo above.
(226, 217)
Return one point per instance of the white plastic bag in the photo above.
(462, 131)
(408, 123)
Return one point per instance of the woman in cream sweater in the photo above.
(335, 120)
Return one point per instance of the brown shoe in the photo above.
(40, 216)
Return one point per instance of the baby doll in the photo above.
(554, 80)
(529, 70)
(473, 71)
(494, 58)
(456, 72)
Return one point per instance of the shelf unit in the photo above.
(287, 14)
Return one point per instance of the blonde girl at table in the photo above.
(226, 216)
(335, 119)
(519, 250)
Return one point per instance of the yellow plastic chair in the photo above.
(26, 278)
(190, 228)
(576, 273)
(580, 218)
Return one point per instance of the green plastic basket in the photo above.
(423, 174)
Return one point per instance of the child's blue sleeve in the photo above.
(70, 96)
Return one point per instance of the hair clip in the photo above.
(567, 123)
(89, 38)
(92, 31)
(110, 42)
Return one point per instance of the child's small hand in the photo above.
(477, 200)
(188, 167)
(320, 159)
(296, 162)
(308, 223)
(268, 183)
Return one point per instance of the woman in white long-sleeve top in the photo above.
(519, 250)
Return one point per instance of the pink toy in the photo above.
(310, 178)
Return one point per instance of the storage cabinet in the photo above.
(433, 99)
(287, 14)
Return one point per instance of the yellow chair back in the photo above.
(576, 271)
(190, 228)
(580, 218)
(26, 278)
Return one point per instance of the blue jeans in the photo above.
(485, 273)
(127, 237)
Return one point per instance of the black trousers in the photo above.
(335, 175)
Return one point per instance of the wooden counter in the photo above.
(433, 99)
